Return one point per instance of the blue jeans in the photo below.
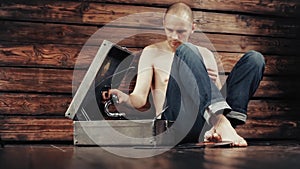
(190, 90)
(241, 85)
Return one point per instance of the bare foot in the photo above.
(223, 129)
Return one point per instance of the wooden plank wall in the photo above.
(40, 42)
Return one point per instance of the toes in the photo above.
(207, 137)
(215, 137)
(240, 143)
(212, 136)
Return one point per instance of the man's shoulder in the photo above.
(205, 52)
(151, 51)
(155, 46)
(203, 49)
(156, 49)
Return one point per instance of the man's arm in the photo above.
(211, 66)
(140, 93)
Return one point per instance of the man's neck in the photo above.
(168, 47)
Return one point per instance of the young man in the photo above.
(185, 84)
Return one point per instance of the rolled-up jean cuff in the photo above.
(237, 115)
(216, 108)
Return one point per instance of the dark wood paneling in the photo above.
(70, 34)
(94, 13)
(278, 87)
(269, 129)
(275, 65)
(36, 129)
(34, 104)
(39, 55)
(45, 32)
(13, 104)
(275, 7)
(60, 81)
(36, 80)
(42, 41)
(274, 109)
(46, 55)
(60, 129)
(54, 11)
(70, 56)
(207, 21)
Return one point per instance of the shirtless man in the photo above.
(155, 67)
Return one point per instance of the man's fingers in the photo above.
(212, 74)
(213, 78)
(105, 95)
(121, 97)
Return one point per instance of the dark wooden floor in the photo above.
(275, 155)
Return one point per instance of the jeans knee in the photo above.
(255, 58)
(187, 48)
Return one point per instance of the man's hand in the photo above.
(212, 74)
(122, 97)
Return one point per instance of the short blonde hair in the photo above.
(180, 9)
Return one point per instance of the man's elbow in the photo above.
(138, 101)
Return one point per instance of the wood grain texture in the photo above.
(64, 9)
(95, 13)
(51, 11)
(36, 129)
(41, 42)
(275, 65)
(77, 56)
(208, 22)
(133, 37)
(13, 104)
(39, 55)
(36, 80)
(25, 104)
(275, 7)
(62, 81)
(60, 129)
(273, 110)
(270, 129)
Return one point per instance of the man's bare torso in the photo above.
(161, 62)
(162, 59)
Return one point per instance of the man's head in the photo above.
(178, 24)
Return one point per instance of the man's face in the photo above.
(178, 29)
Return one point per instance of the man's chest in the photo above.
(161, 69)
